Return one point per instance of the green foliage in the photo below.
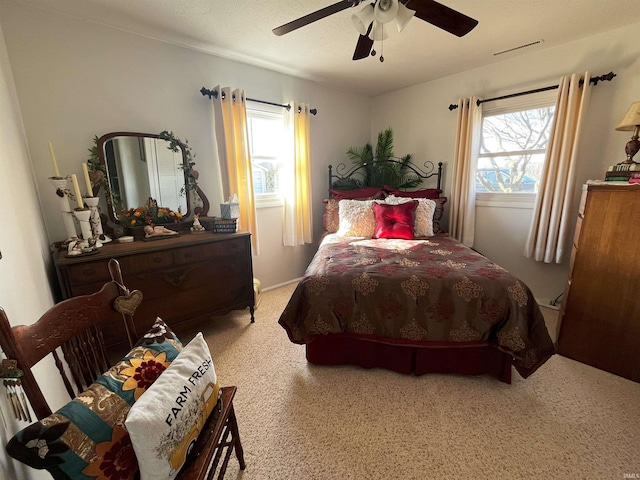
(102, 179)
(175, 144)
(381, 167)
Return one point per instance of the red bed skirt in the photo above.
(479, 359)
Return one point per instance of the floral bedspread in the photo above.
(423, 292)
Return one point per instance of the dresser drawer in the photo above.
(209, 251)
(91, 272)
(583, 200)
(145, 262)
(576, 235)
(572, 259)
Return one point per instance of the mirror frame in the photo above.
(100, 143)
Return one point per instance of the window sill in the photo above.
(506, 200)
(269, 201)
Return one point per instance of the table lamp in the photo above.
(631, 122)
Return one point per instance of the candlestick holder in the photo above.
(96, 223)
(83, 215)
(60, 184)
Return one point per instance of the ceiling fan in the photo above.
(371, 21)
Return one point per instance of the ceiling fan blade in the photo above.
(442, 16)
(363, 47)
(315, 16)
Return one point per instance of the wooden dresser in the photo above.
(183, 279)
(599, 322)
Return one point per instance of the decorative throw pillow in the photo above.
(437, 215)
(431, 193)
(395, 221)
(368, 193)
(331, 217)
(423, 225)
(86, 438)
(356, 218)
(165, 423)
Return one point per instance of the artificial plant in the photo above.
(380, 168)
(191, 174)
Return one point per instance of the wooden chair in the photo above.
(73, 327)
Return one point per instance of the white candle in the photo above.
(53, 159)
(76, 188)
(85, 170)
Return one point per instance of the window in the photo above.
(268, 149)
(514, 141)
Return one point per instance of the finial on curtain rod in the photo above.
(214, 93)
(607, 76)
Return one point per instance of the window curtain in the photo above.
(232, 136)
(552, 214)
(463, 188)
(297, 224)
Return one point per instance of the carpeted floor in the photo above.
(299, 421)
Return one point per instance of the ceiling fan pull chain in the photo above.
(382, 46)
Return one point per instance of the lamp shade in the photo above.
(631, 119)
(402, 18)
(378, 32)
(385, 10)
(363, 18)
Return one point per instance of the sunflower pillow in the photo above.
(86, 438)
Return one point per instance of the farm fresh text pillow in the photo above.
(166, 421)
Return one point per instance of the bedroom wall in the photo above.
(77, 79)
(24, 290)
(424, 126)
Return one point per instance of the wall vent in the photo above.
(518, 48)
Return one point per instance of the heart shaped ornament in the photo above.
(95, 176)
(128, 304)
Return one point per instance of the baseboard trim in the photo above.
(547, 303)
(273, 287)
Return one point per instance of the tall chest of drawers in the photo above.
(184, 279)
(599, 322)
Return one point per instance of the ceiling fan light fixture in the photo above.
(402, 18)
(378, 32)
(363, 18)
(386, 10)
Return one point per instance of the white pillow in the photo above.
(167, 419)
(423, 226)
(356, 218)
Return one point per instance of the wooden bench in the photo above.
(73, 327)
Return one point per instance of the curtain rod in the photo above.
(609, 76)
(214, 93)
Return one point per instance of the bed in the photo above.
(415, 304)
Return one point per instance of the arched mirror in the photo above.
(140, 166)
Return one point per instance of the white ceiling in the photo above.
(322, 51)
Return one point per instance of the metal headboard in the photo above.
(342, 172)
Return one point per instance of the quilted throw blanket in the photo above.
(423, 292)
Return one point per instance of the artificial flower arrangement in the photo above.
(149, 214)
